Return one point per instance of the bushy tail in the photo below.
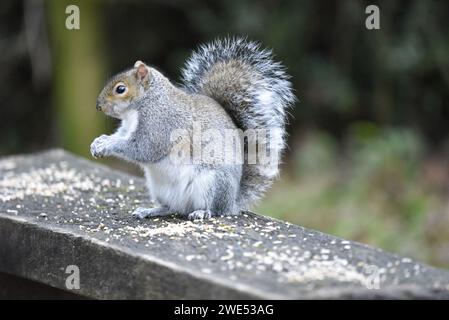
(255, 91)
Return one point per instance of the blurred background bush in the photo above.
(369, 149)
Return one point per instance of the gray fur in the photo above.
(229, 84)
(235, 72)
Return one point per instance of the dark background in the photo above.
(368, 154)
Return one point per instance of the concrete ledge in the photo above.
(58, 210)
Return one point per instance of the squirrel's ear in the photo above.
(141, 71)
(138, 63)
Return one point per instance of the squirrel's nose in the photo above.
(98, 106)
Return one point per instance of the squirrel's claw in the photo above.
(98, 147)
(200, 215)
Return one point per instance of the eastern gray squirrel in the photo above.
(229, 84)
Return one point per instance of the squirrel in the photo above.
(228, 84)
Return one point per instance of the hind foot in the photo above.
(200, 215)
(142, 213)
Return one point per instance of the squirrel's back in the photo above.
(256, 92)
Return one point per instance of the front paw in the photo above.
(99, 146)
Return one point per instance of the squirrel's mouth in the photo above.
(103, 108)
(110, 111)
(99, 106)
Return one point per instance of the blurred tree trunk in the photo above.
(78, 70)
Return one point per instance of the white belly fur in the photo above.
(180, 187)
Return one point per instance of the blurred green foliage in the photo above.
(342, 72)
(377, 191)
(78, 74)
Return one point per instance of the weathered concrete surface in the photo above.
(58, 210)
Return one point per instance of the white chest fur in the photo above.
(130, 120)
(180, 187)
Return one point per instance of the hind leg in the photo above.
(222, 200)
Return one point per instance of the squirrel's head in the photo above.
(123, 89)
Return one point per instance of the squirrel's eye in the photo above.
(120, 89)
